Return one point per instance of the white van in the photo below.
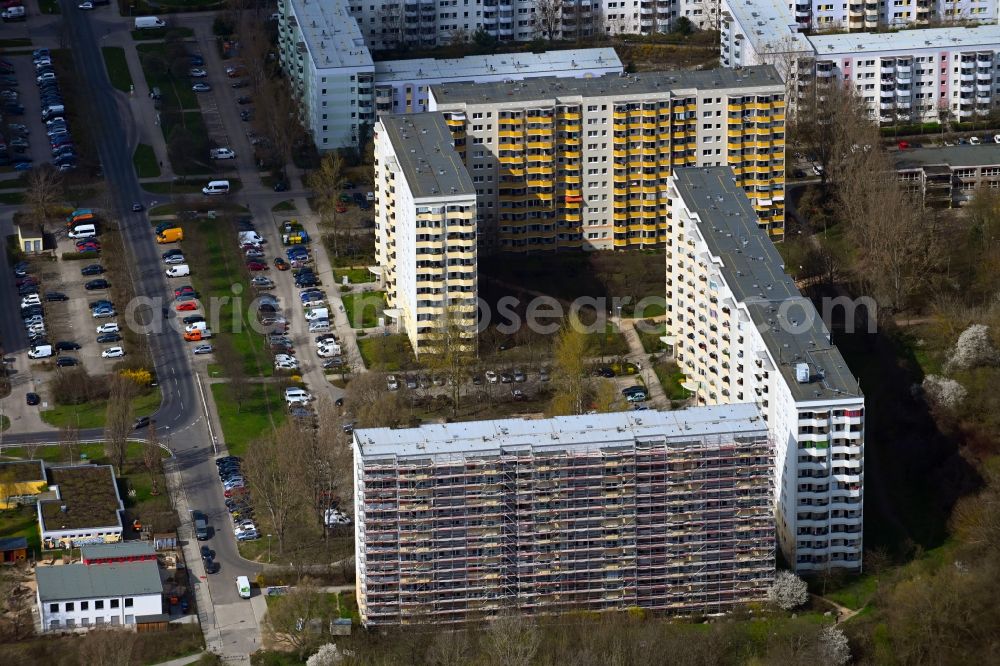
(243, 586)
(83, 231)
(40, 351)
(149, 22)
(216, 187)
(317, 314)
(196, 326)
(180, 270)
(251, 237)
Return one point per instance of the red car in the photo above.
(186, 289)
(281, 264)
(90, 247)
(81, 243)
(239, 491)
(341, 208)
(256, 266)
(187, 305)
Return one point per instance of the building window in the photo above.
(53, 608)
(114, 603)
(99, 604)
(128, 602)
(84, 605)
(69, 606)
(54, 624)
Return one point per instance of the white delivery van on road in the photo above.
(149, 22)
(243, 586)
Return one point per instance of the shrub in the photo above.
(75, 386)
(79, 256)
(140, 376)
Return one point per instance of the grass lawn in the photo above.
(386, 352)
(91, 414)
(177, 93)
(650, 337)
(215, 267)
(14, 183)
(670, 378)
(145, 162)
(55, 454)
(354, 275)
(22, 522)
(283, 207)
(14, 43)
(152, 34)
(856, 594)
(364, 309)
(12, 198)
(264, 410)
(610, 343)
(114, 60)
(194, 160)
(4, 422)
(49, 7)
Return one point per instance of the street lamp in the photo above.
(268, 548)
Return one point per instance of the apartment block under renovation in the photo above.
(425, 233)
(742, 333)
(659, 510)
(583, 163)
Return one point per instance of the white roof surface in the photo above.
(769, 25)
(986, 37)
(331, 34)
(514, 65)
(559, 433)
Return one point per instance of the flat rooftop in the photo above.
(80, 581)
(791, 327)
(331, 34)
(955, 156)
(514, 65)
(586, 432)
(426, 153)
(608, 85)
(22, 471)
(100, 551)
(986, 37)
(89, 494)
(769, 25)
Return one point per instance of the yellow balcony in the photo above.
(511, 121)
(515, 171)
(620, 217)
(569, 115)
(572, 217)
(572, 127)
(735, 108)
(539, 145)
(539, 131)
(540, 170)
(620, 115)
(540, 183)
(455, 122)
(572, 154)
(572, 179)
(510, 134)
(511, 160)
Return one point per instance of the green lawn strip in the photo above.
(49, 7)
(4, 422)
(114, 60)
(194, 161)
(354, 275)
(670, 378)
(857, 593)
(283, 206)
(262, 411)
(92, 414)
(14, 183)
(176, 93)
(145, 162)
(386, 352)
(364, 309)
(153, 34)
(609, 343)
(649, 333)
(56, 454)
(12, 198)
(15, 42)
(22, 522)
(217, 241)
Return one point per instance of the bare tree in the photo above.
(237, 383)
(390, 20)
(69, 442)
(371, 403)
(273, 469)
(326, 182)
(298, 617)
(548, 18)
(512, 640)
(119, 420)
(152, 458)
(44, 191)
(107, 647)
(790, 57)
(452, 349)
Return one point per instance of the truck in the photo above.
(170, 235)
(149, 23)
(13, 14)
(198, 335)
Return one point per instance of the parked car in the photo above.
(94, 285)
(201, 87)
(32, 399)
(113, 352)
(92, 269)
(67, 345)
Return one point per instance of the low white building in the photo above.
(742, 333)
(87, 508)
(403, 86)
(80, 596)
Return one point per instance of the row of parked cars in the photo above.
(14, 142)
(237, 498)
(63, 150)
(33, 316)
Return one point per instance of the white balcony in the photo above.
(887, 69)
(967, 89)
(967, 78)
(903, 69)
(884, 106)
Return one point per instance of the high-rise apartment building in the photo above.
(742, 333)
(583, 163)
(660, 510)
(425, 230)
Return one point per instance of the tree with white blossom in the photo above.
(788, 591)
(944, 391)
(834, 649)
(973, 349)
(327, 655)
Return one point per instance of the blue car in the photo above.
(23, 166)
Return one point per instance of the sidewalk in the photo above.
(181, 661)
(639, 356)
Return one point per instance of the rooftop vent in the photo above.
(802, 373)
